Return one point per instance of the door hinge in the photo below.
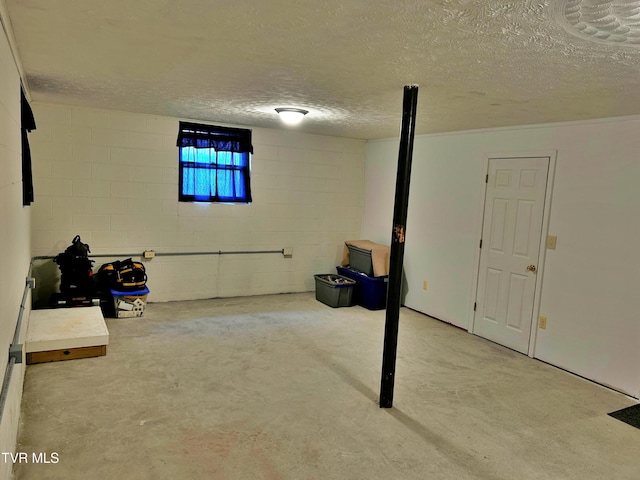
(480, 243)
(486, 179)
(475, 305)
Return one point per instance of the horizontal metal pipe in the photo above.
(5, 386)
(170, 254)
(25, 293)
(16, 333)
(97, 255)
(16, 341)
(219, 252)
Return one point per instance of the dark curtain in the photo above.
(28, 124)
(221, 139)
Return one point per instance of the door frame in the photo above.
(552, 155)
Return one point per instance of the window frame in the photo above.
(227, 149)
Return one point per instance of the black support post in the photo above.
(397, 245)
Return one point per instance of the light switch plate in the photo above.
(552, 240)
(542, 322)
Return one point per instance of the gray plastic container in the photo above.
(360, 260)
(334, 290)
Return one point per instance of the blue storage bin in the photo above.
(129, 304)
(368, 292)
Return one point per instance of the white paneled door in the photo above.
(511, 235)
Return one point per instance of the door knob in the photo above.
(531, 268)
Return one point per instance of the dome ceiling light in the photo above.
(291, 116)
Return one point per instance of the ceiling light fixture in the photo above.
(291, 116)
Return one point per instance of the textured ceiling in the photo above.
(478, 64)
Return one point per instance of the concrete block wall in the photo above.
(112, 178)
(14, 245)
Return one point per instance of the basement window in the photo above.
(214, 163)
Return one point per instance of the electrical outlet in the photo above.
(551, 242)
(542, 322)
(149, 254)
(287, 252)
(425, 284)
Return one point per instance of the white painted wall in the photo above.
(14, 243)
(590, 282)
(112, 178)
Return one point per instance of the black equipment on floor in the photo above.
(77, 286)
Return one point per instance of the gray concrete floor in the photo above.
(284, 387)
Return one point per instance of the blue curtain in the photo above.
(214, 163)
